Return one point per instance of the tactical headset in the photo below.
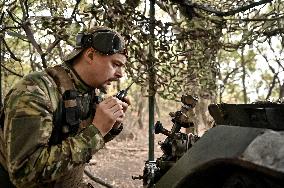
(106, 42)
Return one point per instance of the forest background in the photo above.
(219, 51)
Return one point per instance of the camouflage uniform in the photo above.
(29, 159)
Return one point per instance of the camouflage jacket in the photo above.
(29, 108)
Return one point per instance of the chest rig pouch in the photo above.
(67, 117)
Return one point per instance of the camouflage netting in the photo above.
(188, 35)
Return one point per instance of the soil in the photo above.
(122, 158)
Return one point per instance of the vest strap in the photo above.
(67, 115)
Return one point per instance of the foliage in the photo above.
(261, 30)
(188, 36)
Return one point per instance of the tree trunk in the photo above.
(140, 101)
(281, 94)
(140, 113)
(244, 76)
(203, 119)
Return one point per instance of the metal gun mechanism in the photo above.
(174, 146)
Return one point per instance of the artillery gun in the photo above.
(244, 149)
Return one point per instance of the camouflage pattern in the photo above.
(30, 161)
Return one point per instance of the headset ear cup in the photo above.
(87, 40)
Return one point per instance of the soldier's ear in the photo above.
(89, 55)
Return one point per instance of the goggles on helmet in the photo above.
(105, 42)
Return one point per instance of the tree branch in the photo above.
(209, 9)
(98, 180)
(272, 85)
(13, 17)
(75, 8)
(25, 9)
(274, 32)
(9, 27)
(13, 72)
(168, 9)
(258, 19)
(1, 17)
(31, 38)
(52, 45)
(231, 12)
(9, 50)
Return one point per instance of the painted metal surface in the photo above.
(225, 146)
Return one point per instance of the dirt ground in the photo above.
(122, 158)
(125, 156)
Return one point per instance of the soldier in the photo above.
(54, 122)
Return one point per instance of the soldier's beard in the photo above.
(103, 89)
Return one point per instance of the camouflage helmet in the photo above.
(104, 40)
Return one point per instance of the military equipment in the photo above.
(174, 146)
(244, 149)
(102, 39)
(122, 93)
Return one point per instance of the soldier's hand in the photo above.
(107, 113)
(125, 105)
